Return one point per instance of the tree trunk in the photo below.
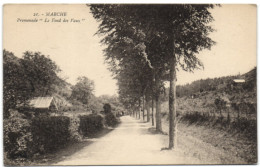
(152, 114)
(140, 108)
(172, 99)
(158, 113)
(148, 110)
(143, 107)
(158, 105)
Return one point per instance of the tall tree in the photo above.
(83, 90)
(16, 89)
(32, 75)
(188, 34)
(41, 73)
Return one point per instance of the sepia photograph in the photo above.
(129, 84)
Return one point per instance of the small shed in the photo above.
(239, 81)
(43, 103)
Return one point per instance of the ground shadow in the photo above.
(153, 131)
(142, 122)
(70, 149)
(60, 155)
(103, 132)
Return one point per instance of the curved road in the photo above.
(131, 143)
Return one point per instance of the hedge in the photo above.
(24, 138)
(90, 124)
(17, 136)
(49, 133)
(110, 119)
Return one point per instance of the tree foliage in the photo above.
(32, 75)
(149, 43)
(41, 73)
(83, 90)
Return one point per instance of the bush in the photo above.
(90, 124)
(241, 125)
(17, 136)
(74, 129)
(245, 125)
(24, 138)
(107, 108)
(50, 133)
(110, 119)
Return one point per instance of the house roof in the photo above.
(41, 102)
(239, 80)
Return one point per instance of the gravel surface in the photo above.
(134, 142)
(131, 143)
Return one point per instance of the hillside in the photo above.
(221, 113)
(202, 96)
(219, 84)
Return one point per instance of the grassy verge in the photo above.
(236, 141)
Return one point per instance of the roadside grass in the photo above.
(236, 137)
(236, 147)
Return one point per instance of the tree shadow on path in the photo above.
(153, 131)
(70, 149)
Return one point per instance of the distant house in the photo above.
(43, 103)
(239, 81)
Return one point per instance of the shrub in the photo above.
(107, 108)
(74, 129)
(245, 125)
(110, 119)
(90, 124)
(50, 133)
(17, 136)
(24, 138)
(241, 125)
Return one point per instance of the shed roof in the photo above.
(41, 102)
(239, 80)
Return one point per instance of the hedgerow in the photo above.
(90, 124)
(50, 133)
(17, 136)
(110, 119)
(25, 138)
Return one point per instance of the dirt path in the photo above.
(131, 143)
(134, 142)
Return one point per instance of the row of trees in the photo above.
(147, 44)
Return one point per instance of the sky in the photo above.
(77, 51)
(235, 51)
